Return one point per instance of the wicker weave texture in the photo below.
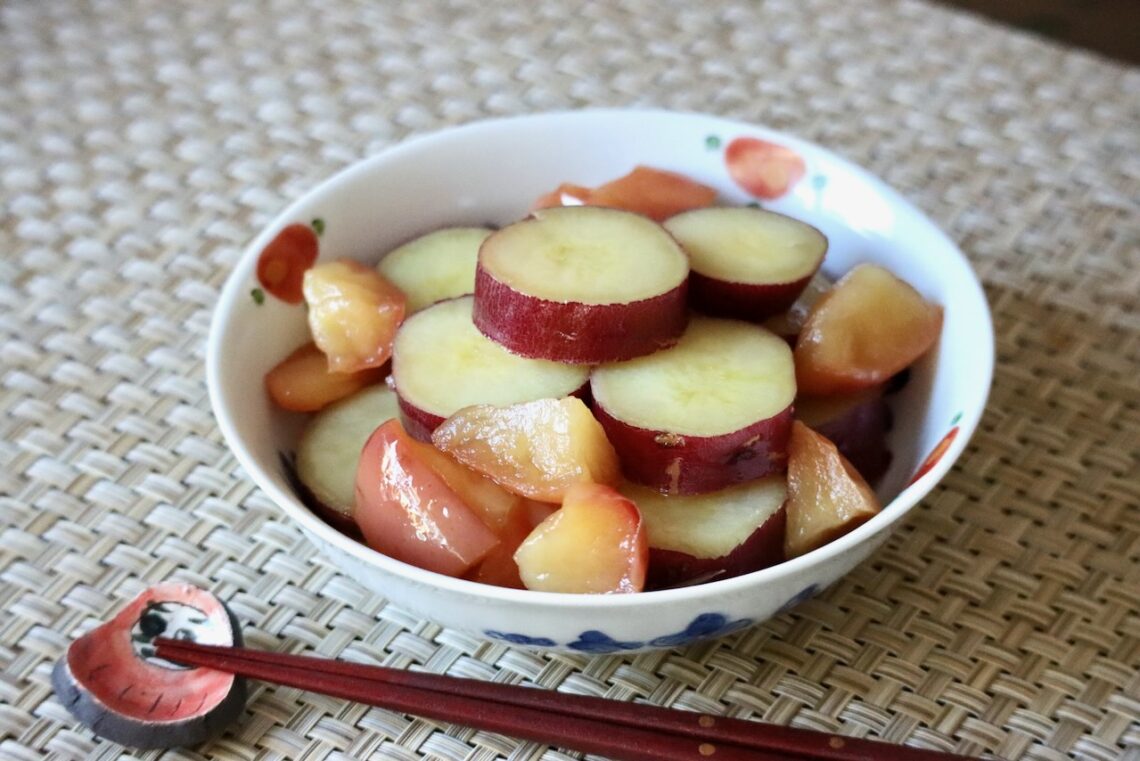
(143, 143)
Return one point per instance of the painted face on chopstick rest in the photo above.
(112, 682)
(174, 620)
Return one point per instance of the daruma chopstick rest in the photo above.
(113, 682)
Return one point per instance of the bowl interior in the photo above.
(490, 172)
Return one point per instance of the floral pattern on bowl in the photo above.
(704, 626)
(281, 265)
(762, 168)
(939, 450)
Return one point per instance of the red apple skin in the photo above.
(675, 464)
(533, 327)
(420, 424)
(753, 302)
(858, 429)
(302, 382)
(499, 568)
(763, 548)
(406, 510)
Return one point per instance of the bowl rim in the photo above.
(235, 287)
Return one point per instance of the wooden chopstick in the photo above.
(620, 730)
(615, 741)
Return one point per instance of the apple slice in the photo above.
(693, 539)
(537, 449)
(712, 411)
(566, 194)
(441, 364)
(302, 382)
(826, 495)
(747, 263)
(353, 314)
(868, 327)
(436, 266)
(407, 509)
(856, 423)
(595, 544)
(583, 285)
(329, 449)
(499, 568)
(494, 505)
(656, 193)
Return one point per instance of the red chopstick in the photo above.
(619, 730)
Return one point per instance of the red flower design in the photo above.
(764, 169)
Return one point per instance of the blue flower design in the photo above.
(804, 595)
(706, 625)
(597, 642)
(520, 639)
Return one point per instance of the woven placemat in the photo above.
(143, 143)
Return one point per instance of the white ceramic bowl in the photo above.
(490, 172)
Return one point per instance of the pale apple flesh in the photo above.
(595, 544)
(441, 364)
(582, 285)
(710, 412)
(827, 497)
(693, 539)
(747, 263)
(536, 449)
(868, 327)
(353, 314)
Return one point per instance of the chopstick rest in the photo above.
(113, 681)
